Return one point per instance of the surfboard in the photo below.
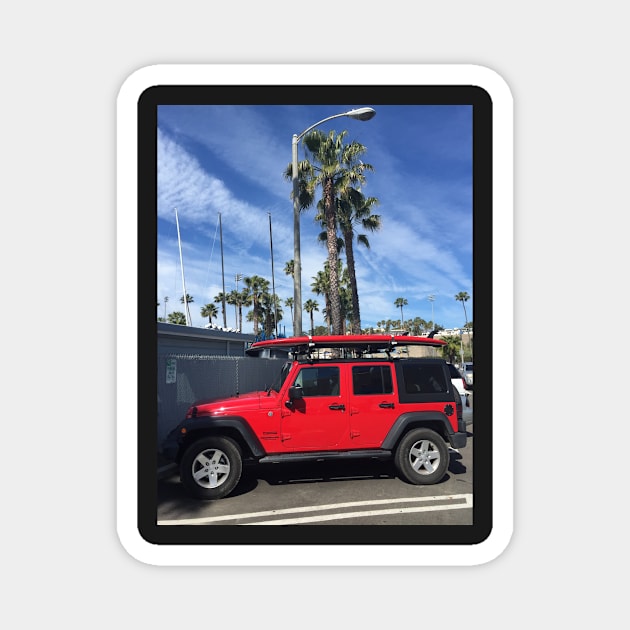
(369, 343)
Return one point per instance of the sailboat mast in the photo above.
(181, 264)
(222, 272)
(273, 282)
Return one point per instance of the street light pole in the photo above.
(363, 113)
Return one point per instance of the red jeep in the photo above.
(336, 397)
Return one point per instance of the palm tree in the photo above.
(209, 311)
(336, 166)
(239, 299)
(356, 210)
(463, 297)
(309, 307)
(165, 303)
(321, 286)
(400, 302)
(269, 308)
(256, 286)
(289, 302)
(418, 326)
(345, 299)
(177, 317)
(231, 299)
(188, 299)
(289, 267)
(452, 348)
(219, 299)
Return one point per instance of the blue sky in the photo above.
(231, 160)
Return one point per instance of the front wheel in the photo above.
(422, 457)
(211, 467)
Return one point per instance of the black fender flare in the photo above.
(416, 418)
(224, 425)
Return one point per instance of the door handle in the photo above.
(337, 407)
(387, 405)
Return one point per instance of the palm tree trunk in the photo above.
(355, 325)
(331, 238)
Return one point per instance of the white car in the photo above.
(467, 373)
(459, 384)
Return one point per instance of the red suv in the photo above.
(336, 397)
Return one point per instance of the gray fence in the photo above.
(186, 378)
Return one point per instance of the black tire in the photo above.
(422, 457)
(211, 467)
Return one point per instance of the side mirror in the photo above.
(295, 392)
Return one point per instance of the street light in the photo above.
(363, 113)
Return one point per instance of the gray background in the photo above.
(63, 64)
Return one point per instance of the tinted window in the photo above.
(375, 379)
(424, 379)
(318, 381)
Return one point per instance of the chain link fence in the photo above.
(186, 378)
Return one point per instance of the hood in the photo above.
(230, 405)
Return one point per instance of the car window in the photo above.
(424, 379)
(375, 379)
(318, 381)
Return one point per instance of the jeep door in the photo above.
(318, 420)
(373, 404)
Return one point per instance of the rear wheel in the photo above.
(422, 457)
(211, 467)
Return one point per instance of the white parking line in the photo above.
(455, 502)
(361, 513)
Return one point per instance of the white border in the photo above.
(126, 337)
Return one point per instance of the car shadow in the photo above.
(170, 490)
(317, 472)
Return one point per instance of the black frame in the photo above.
(148, 103)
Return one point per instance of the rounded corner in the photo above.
(136, 547)
(136, 84)
(493, 546)
(492, 82)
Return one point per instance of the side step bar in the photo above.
(321, 456)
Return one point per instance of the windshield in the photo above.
(284, 372)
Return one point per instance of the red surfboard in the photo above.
(371, 342)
